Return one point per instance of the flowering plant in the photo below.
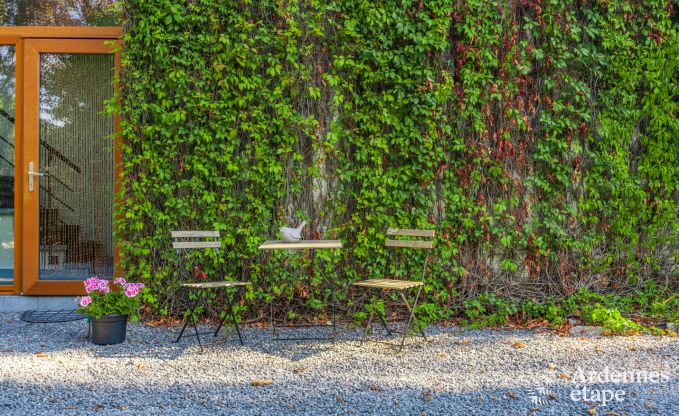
(106, 298)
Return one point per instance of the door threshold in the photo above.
(20, 303)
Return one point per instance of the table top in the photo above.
(300, 245)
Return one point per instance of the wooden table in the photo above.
(303, 245)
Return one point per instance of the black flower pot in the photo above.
(109, 329)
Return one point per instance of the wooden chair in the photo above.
(388, 285)
(196, 240)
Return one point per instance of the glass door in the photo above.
(9, 130)
(68, 164)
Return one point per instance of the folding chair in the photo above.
(196, 240)
(386, 285)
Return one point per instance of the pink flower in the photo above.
(85, 300)
(119, 281)
(91, 284)
(132, 289)
(102, 285)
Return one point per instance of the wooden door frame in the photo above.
(62, 32)
(7, 40)
(56, 40)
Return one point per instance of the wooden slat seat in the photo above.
(213, 285)
(389, 284)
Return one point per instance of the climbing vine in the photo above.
(539, 138)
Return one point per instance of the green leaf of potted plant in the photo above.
(109, 307)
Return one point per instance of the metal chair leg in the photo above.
(181, 333)
(370, 319)
(420, 326)
(233, 317)
(191, 306)
(384, 323)
(221, 324)
(410, 316)
(240, 338)
(194, 321)
(186, 321)
(195, 329)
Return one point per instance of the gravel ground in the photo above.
(48, 369)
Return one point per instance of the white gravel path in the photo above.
(50, 369)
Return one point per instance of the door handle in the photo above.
(32, 174)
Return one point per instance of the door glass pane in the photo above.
(7, 92)
(58, 12)
(76, 157)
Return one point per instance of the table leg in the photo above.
(272, 313)
(334, 321)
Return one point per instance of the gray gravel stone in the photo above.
(586, 331)
(48, 369)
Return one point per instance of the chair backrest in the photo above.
(426, 243)
(195, 240)
(182, 240)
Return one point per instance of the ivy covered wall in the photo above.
(539, 138)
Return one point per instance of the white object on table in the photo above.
(292, 235)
